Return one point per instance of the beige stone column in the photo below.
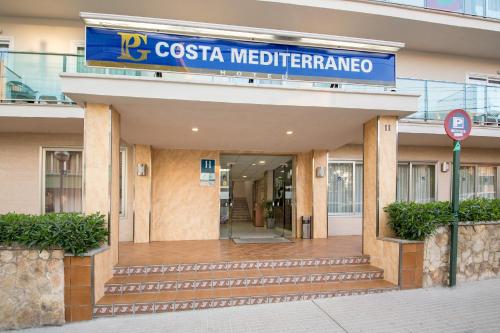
(379, 189)
(303, 188)
(142, 195)
(102, 168)
(319, 194)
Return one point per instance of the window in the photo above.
(416, 182)
(345, 187)
(5, 45)
(62, 183)
(123, 181)
(478, 182)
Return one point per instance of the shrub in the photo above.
(74, 233)
(416, 221)
(474, 210)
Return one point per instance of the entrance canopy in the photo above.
(229, 116)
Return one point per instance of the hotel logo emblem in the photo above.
(131, 41)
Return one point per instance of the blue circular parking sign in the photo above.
(458, 125)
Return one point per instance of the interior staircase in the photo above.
(240, 211)
(191, 286)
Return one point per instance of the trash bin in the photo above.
(306, 226)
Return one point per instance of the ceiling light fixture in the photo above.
(289, 132)
(194, 129)
(244, 176)
(262, 162)
(237, 32)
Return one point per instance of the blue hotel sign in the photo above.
(168, 52)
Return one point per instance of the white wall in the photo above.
(55, 35)
(42, 35)
(442, 67)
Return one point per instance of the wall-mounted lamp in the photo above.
(320, 172)
(445, 166)
(142, 169)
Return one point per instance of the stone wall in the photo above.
(31, 288)
(478, 254)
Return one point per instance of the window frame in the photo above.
(354, 163)
(9, 40)
(476, 178)
(123, 170)
(42, 159)
(410, 177)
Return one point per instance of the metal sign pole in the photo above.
(455, 204)
(458, 126)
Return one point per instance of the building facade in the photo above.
(167, 153)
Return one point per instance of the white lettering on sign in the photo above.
(458, 122)
(264, 57)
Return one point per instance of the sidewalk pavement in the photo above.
(470, 307)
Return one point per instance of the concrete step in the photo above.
(181, 300)
(240, 278)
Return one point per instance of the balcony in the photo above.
(34, 78)
(481, 8)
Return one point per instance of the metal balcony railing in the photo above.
(482, 8)
(35, 78)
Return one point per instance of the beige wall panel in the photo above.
(142, 203)
(103, 271)
(21, 168)
(182, 209)
(347, 153)
(369, 186)
(42, 35)
(303, 188)
(320, 191)
(391, 260)
(268, 175)
(443, 67)
(115, 184)
(238, 189)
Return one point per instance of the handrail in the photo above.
(39, 80)
(41, 53)
(10, 70)
(480, 4)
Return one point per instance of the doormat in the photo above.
(263, 240)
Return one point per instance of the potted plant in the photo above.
(269, 211)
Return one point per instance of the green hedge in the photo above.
(74, 233)
(416, 221)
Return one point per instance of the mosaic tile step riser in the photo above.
(160, 286)
(223, 266)
(199, 304)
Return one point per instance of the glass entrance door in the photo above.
(283, 196)
(225, 203)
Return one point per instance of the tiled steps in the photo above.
(240, 212)
(239, 278)
(190, 286)
(182, 300)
